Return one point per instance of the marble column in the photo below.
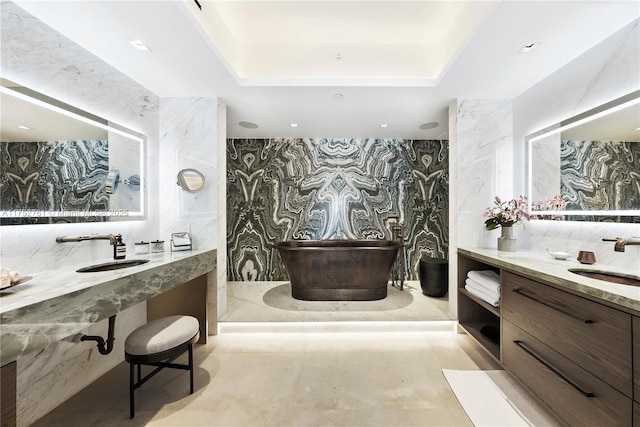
(480, 168)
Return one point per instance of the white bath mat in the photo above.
(493, 398)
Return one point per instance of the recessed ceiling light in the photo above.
(528, 47)
(429, 125)
(139, 44)
(24, 127)
(384, 125)
(248, 125)
(293, 125)
(338, 96)
(338, 57)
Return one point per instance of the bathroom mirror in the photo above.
(55, 161)
(592, 161)
(191, 180)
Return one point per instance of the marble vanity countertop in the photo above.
(543, 267)
(59, 303)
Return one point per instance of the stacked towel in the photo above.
(485, 285)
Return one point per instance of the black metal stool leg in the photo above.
(191, 366)
(131, 389)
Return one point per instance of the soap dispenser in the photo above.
(119, 248)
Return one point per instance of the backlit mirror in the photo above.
(191, 180)
(55, 161)
(591, 161)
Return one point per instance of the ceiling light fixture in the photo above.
(528, 47)
(429, 125)
(338, 96)
(139, 44)
(23, 127)
(637, 129)
(248, 125)
(384, 125)
(293, 125)
(338, 57)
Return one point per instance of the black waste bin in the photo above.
(434, 276)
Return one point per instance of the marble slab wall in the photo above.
(297, 188)
(190, 138)
(481, 140)
(36, 56)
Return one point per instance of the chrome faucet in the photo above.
(621, 242)
(119, 248)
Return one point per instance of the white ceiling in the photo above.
(273, 62)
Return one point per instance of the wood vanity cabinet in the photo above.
(579, 356)
(574, 354)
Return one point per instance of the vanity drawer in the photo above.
(577, 396)
(595, 337)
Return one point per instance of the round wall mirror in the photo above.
(191, 180)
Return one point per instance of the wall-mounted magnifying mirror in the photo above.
(191, 180)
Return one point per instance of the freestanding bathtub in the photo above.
(338, 270)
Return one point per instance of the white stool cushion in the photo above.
(161, 334)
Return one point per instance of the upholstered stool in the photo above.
(159, 343)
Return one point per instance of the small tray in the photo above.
(22, 280)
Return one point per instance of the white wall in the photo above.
(37, 57)
(609, 70)
(191, 129)
(480, 165)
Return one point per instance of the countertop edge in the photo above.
(557, 273)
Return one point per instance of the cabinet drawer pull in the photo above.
(524, 294)
(552, 369)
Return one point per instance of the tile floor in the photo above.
(331, 364)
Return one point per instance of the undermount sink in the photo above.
(114, 265)
(621, 278)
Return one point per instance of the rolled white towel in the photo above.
(483, 296)
(487, 278)
(473, 284)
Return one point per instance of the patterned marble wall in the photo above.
(280, 189)
(601, 175)
(54, 176)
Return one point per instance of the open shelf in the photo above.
(473, 329)
(494, 310)
(473, 312)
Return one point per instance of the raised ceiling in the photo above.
(274, 62)
(330, 43)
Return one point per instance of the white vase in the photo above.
(506, 242)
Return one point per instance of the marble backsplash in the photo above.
(36, 56)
